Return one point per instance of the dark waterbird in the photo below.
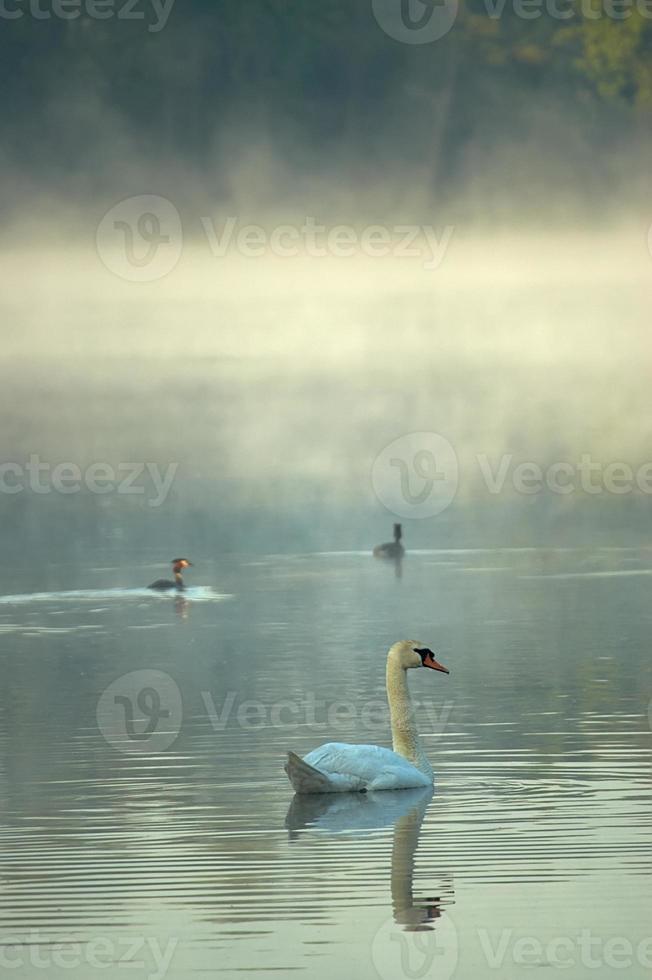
(164, 584)
(391, 549)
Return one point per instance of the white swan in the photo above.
(340, 768)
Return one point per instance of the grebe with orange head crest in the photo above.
(164, 584)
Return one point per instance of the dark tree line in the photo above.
(315, 77)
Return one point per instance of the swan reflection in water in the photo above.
(340, 813)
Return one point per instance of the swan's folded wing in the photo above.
(365, 766)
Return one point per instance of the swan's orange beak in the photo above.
(429, 661)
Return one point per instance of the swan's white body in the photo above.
(337, 767)
(351, 768)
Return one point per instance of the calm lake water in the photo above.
(158, 834)
(147, 828)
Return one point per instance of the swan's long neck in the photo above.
(405, 738)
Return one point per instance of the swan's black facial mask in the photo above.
(428, 660)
